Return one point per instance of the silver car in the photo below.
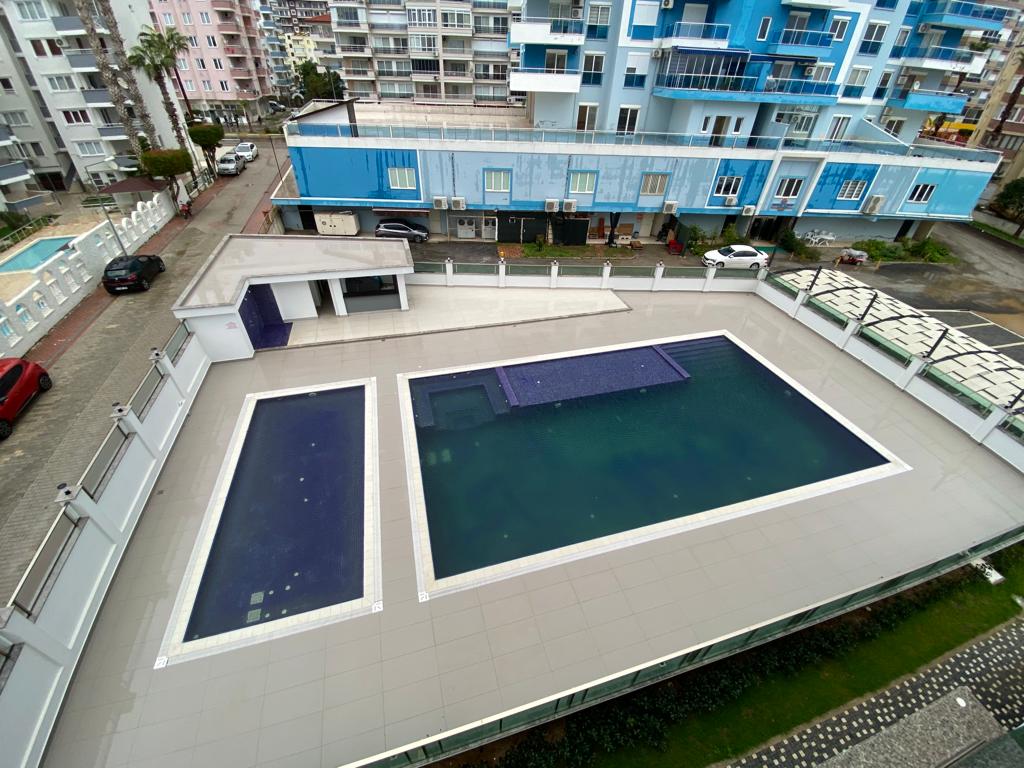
(230, 164)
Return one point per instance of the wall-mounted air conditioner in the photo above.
(440, 203)
(667, 4)
(458, 203)
(748, 210)
(569, 206)
(669, 206)
(577, 13)
(731, 201)
(808, 71)
(550, 206)
(873, 204)
(656, 53)
(922, 29)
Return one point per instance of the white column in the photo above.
(160, 360)
(849, 332)
(403, 294)
(606, 274)
(913, 368)
(449, 271)
(338, 294)
(553, 283)
(991, 422)
(659, 271)
(501, 273)
(129, 423)
(798, 302)
(709, 275)
(81, 505)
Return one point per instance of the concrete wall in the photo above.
(294, 299)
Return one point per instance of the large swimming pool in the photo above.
(289, 536)
(35, 254)
(517, 463)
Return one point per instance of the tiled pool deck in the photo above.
(339, 693)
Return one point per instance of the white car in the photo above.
(736, 256)
(247, 150)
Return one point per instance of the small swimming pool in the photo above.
(35, 254)
(288, 540)
(528, 463)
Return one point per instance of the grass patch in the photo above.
(559, 252)
(996, 232)
(730, 707)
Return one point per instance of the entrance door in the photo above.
(627, 120)
(719, 130)
(555, 61)
(490, 228)
(586, 117)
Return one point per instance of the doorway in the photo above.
(370, 293)
(555, 61)
(719, 130)
(322, 298)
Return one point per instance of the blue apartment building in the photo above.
(758, 113)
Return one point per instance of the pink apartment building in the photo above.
(224, 73)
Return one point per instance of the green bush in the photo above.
(14, 219)
(801, 251)
(731, 237)
(880, 250)
(927, 250)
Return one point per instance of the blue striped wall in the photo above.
(360, 174)
(832, 178)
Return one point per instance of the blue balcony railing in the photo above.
(805, 38)
(958, 55)
(886, 5)
(592, 78)
(746, 84)
(690, 31)
(973, 11)
(634, 81)
(597, 31)
(853, 91)
(870, 47)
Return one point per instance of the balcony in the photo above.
(944, 59)
(97, 97)
(73, 25)
(354, 50)
(745, 88)
(223, 5)
(451, 52)
(126, 163)
(543, 31)
(80, 60)
(7, 136)
(929, 101)
(458, 74)
(112, 131)
(687, 35)
(229, 27)
(539, 79)
(801, 42)
(962, 15)
(12, 173)
(358, 74)
(457, 30)
(240, 73)
(235, 50)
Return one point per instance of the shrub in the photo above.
(927, 250)
(801, 251)
(880, 250)
(730, 236)
(14, 219)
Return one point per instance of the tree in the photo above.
(168, 164)
(208, 137)
(1011, 103)
(1010, 201)
(154, 55)
(317, 85)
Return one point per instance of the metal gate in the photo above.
(521, 227)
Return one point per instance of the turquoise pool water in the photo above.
(520, 460)
(35, 254)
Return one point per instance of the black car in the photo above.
(401, 228)
(126, 273)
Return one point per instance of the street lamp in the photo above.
(103, 207)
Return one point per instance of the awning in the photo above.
(137, 184)
(712, 52)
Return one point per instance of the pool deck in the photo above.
(346, 691)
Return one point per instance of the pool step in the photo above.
(700, 351)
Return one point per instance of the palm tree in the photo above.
(177, 43)
(154, 56)
(1011, 103)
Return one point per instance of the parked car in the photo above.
(126, 273)
(20, 381)
(275, 106)
(401, 228)
(247, 151)
(230, 164)
(736, 256)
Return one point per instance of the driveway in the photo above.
(57, 436)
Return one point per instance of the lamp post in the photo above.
(103, 207)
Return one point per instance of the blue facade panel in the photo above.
(955, 192)
(826, 192)
(753, 173)
(358, 174)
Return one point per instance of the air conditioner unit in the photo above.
(922, 29)
(569, 206)
(656, 53)
(873, 204)
(577, 13)
(61, 42)
(440, 203)
(748, 210)
(511, 100)
(808, 71)
(666, 4)
(731, 201)
(669, 206)
(550, 206)
(458, 203)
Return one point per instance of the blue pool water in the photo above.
(290, 537)
(528, 458)
(35, 254)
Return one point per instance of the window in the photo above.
(59, 83)
(186, 17)
(586, 117)
(200, 63)
(921, 193)
(402, 178)
(854, 87)
(168, 19)
(43, 48)
(426, 43)
(852, 189)
(837, 128)
(645, 14)
(37, 149)
(193, 41)
(883, 84)
(593, 67)
(217, 64)
(653, 183)
(582, 182)
(597, 22)
(822, 73)
(422, 17)
(31, 11)
(705, 124)
(14, 118)
(211, 41)
(204, 17)
(872, 42)
(728, 186)
(455, 20)
(90, 148)
(789, 188)
(838, 28)
(224, 85)
(626, 123)
(190, 85)
(737, 124)
(7, 84)
(497, 181)
(637, 65)
(182, 63)
(762, 31)
(207, 85)
(76, 116)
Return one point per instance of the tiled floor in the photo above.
(436, 308)
(332, 695)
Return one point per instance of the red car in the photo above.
(20, 381)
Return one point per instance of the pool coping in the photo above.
(428, 585)
(174, 651)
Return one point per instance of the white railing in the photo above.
(62, 281)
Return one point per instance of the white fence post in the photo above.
(554, 275)
(709, 275)
(129, 423)
(166, 367)
(449, 272)
(913, 368)
(606, 274)
(83, 505)
(989, 425)
(501, 272)
(659, 271)
(798, 302)
(849, 332)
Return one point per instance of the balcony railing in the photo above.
(11, 172)
(564, 136)
(746, 84)
(700, 31)
(555, 26)
(592, 78)
(96, 96)
(974, 11)
(870, 47)
(806, 38)
(938, 53)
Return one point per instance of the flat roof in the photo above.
(414, 113)
(349, 690)
(261, 258)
